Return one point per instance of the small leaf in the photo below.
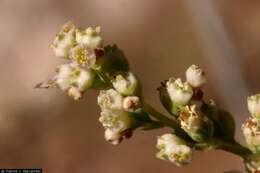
(113, 61)
(166, 101)
(223, 121)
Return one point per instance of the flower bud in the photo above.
(75, 93)
(114, 138)
(173, 149)
(82, 79)
(64, 40)
(251, 130)
(195, 76)
(131, 103)
(180, 93)
(253, 103)
(125, 84)
(62, 77)
(110, 99)
(90, 38)
(198, 126)
(117, 121)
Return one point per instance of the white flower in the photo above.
(195, 76)
(117, 121)
(131, 103)
(113, 137)
(253, 103)
(64, 40)
(195, 124)
(75, 93)
(82, 79)
(173, 149)
(90, 38)
(251, 130)
(180, 93)
(62, 77)
(83, 56)
(125, 84)
(190, 119)
(110, 99)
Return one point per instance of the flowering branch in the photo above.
(195, 124)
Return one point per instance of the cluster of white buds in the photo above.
(79, 47)
(181, 93)
(197, 125)
(173, 149)
(116, 107)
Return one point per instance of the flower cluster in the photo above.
(173, 149)
(195, 123)
(117, 107)
(183, 100)
(81, 48)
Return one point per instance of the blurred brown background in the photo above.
(161, 38)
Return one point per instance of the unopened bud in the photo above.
(125, 84)
(131, 103)
(75, 93)
(112, 137)
(110, 99)
(195, 76)
(179, 92)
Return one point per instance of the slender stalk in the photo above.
(233, 147)
(167, 121)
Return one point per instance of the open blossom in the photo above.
(64, 40)
(251, 130)
(110, 99)
(195, 124)
(195, 76)
(173, 149)
(253, 103)
(125, 84)
(180, 93)
(82, 56)
(131, 103)
(90, 37)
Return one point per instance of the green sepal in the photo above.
(224, 123)
(204, 133)
(166, 101)
(113, 61)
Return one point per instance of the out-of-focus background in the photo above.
(48, 129)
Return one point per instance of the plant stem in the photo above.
(233, 147)
(172, 123)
